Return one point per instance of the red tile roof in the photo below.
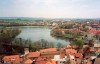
(33, 54)
(95, 31)
(48, 50)
(40, 60)
(12, 59)
(71, 51)
(68, 46)
(28, 61)
(78, 55)
(51, 62)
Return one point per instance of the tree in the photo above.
(41, 44)
(79, 43)
(59, 45)
(36, 46)
(6, 38)
(8, 35)
(51, 45)
(44, 43)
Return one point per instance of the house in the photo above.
(50, 62)
(78, 57)
(63, 58)
(89, 53)
(74, 46)
(12, 59)
(95, 31)
(40, 60)
(49, 55)
(48, 50)
(28, 61)
(60, 59)
(96, 46)
(32, 55)
(71, 51)
(68, 46)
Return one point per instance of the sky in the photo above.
(50, 8)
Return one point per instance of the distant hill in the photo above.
(40, 18)
(20, 18)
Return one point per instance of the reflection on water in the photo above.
(37, 33)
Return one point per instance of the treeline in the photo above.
(35, 46)
(7, 35)
(41, 44)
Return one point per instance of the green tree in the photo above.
(79, 43)
(8, 35)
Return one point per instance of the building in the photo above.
(32, 55)
(13, 59)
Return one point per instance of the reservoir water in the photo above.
(38, 33)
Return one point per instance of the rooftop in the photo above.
(48, 50)
(12, 58)
(33, 54)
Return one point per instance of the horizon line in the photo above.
(52, 17)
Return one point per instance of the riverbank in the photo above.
(24, 26)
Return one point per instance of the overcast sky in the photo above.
(50, 8)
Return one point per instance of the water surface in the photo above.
(38, 33)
